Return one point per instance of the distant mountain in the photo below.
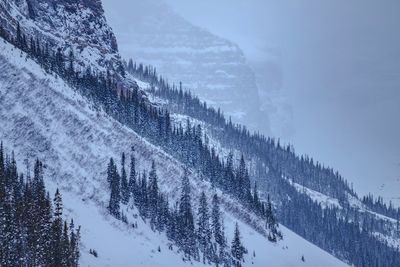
(214, 68)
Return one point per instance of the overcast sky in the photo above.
(340, 64)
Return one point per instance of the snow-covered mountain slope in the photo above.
(43, 117)
(72, 26)
(376, 221)
(214, 68)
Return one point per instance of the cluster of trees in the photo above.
(303, 169)
(378, 205)
(340, 231)
(200, 237)
(182, 100)
(32, 230)
(275, 165)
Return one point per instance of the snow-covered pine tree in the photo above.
(187, 238)
(271, 223)
(216, 220)
(125, 194)
(218, 233)
(57, 227)
(143, 196)
(65, 245)
(203, 229)
(115, 195)
(256, 199)
(132, 184)
(110, 171)
(74, 248)
(237, 248)
(239, 184)
(153, 194)
(224, 255)
(228, 182)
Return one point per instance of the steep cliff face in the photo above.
(212, 67)
(71, 25)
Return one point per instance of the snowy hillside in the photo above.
(67, 98)
(41, 116)
(317, 193)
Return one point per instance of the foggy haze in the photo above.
(333, 70)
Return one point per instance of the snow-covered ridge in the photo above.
(318, 197)
(78, 26)
(327, 201)
(43, 117)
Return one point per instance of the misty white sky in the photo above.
(340, 63)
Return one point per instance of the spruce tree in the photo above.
(271, 223)
(216, 220)
(143, 196)
(256, 199)
(237, 249)
(65, 246)
(203, 228)
(153, 194)
(229, 183)
(224, 257)
(57, 227)
(132, 179)
(125, 194)
(115, 195)
(186, 229)
(110, 171)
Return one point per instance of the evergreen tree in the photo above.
(125, 194)
(57, 227)
(271, 223)
(19, 35)
(57, 204)
(115, 196)
(223, 255)
(65, 246)
(187, 240)
(132, 179)
(143, 196)
(216, 220)
(203, 229)
(229, 177)
(111, 171)
(237, 249)
(153, 194)
(256, 199)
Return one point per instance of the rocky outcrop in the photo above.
(77, 25)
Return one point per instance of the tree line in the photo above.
(304, 169)
(199, 234)
(32, 230)
(275, 165)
